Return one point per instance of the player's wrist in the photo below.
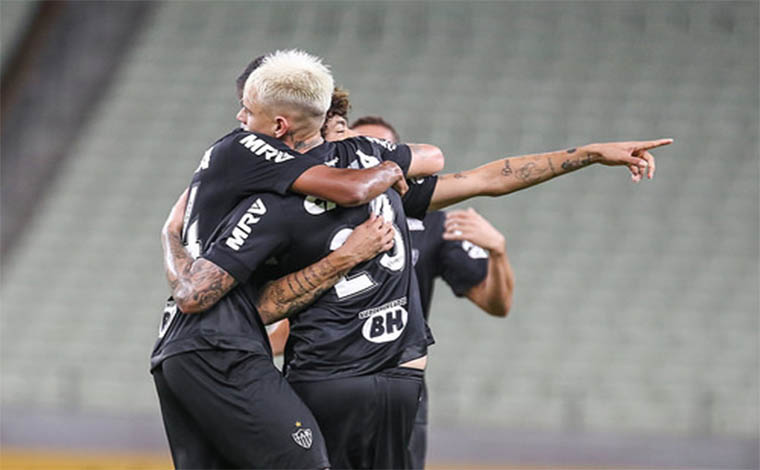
(591, 153)
(394, 171)
(497, 244)
(343, 259)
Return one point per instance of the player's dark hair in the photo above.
(240, 81)
(339, 106)
(377, 121)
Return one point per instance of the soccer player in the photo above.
(492, 294)
(462, 248)
(222, 401)
(301, 231)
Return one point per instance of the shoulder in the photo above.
(382, 143)
(368, 143)
(262, 203)
(260, 145)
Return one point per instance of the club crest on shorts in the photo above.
(303, 437)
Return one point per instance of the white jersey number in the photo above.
(394, 260)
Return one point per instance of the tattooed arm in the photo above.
(292, 293)
(507, 175)
(196, 284)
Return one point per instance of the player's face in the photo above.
(254, 118)
(374, 130)
(336, 128)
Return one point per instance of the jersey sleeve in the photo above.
(417, 199)
(253, 232)
(399, 153)
(463, 264)
(254, 163)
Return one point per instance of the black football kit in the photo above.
(223, 402)
(344, 350)
(462, 266)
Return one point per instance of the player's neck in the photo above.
(303, 144)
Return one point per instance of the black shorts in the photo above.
(418, 441)
(233, 409)
(367, 421)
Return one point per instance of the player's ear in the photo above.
(282, 126)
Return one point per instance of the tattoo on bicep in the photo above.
(507, 170)
(572, 150)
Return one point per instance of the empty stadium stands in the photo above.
(636, 306)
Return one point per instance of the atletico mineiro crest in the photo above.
(302, 436)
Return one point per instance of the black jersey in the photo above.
(237, 165)
(370, 320)
(460, 263)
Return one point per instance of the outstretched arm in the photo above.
(348, 187)
(494, 294)
(507, 175)
(292, 293)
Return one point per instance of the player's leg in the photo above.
(188, 444)
(418, 441)
(345, 410)
(399, 393)
(247, 409)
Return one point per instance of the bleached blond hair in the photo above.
(292, 77)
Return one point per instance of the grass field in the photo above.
(32, 459)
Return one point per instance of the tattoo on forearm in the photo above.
(551, 166)
(507, 170)
(178, 262)
(306, 276)
(572, 150)
(570, 165)
(525, 171)
(459, 176)
(300, 284)
(196, 280)
(211, 282)
(282, 298)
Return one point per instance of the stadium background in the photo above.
(633, 339)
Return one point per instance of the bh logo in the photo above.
(386, 323)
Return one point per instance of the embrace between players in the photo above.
(279, 223)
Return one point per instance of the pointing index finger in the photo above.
(651, 144)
